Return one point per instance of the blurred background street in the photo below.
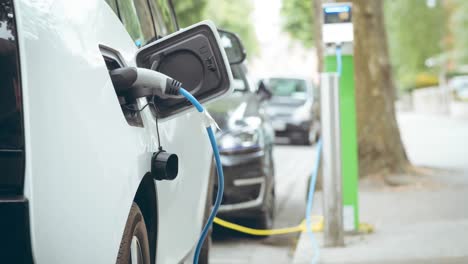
(412, 125)
(424, 205)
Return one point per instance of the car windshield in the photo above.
(295, 88)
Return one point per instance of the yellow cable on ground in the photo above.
(317, 227)
(366, 228)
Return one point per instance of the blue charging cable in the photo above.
(310, 199)
(219, 169)
(339, 62)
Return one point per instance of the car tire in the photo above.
(266, 216)
(313, 138)
(300, 138)
(205, 250)
(315, 129)
(307, 141)
(135, 244)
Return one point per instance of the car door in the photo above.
(185, 135)
(85, 160)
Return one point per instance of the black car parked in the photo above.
(246, 143)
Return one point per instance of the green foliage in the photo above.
(130, 20)
(298, 20)
(189, 11)
(459, 25)
(235, 16)
(231, 15)
(415, 33)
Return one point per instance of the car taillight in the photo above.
(11, 107)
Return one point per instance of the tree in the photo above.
(234, 16)
(415, 33)
(380, 145)
(299, 20)
(189, 11)
(229, 15)
(317, 17)
(459, 24)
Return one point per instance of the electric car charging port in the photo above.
(129, 108)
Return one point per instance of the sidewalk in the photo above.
(413, 225)
(423, 222)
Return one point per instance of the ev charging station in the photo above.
(339, 107)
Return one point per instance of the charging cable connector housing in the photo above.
(134, 83)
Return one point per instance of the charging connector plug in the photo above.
(134, 83)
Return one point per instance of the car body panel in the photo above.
(84, 162)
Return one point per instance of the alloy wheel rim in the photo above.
(136, 255)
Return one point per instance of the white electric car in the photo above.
(79, 181)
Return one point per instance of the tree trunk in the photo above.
(317, 4)
(380, 147)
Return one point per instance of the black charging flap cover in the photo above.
(195, 57)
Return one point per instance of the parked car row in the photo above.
(250, 119)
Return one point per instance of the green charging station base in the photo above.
(349, 147)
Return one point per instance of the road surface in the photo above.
(293, 166)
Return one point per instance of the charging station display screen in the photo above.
(337, 14)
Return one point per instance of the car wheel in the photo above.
(303, 139)
(272, 165)
(271, 204)
(307, 140)
(265, 218)
(134, 248)
(267, 214)
(300, 138)
(313, 135)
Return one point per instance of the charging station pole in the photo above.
(338, 34)
(331, 162)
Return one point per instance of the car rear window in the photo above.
(296, 88)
